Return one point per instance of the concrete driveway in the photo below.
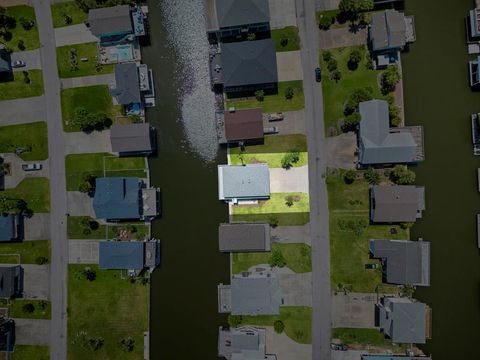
(296, 288)
(80, 142)
(293, 180)
(30, 57)
(22, 111)
(17, 174)
(79, 204)
(282, 13)
(285, 348)
(353, 310)
(348, 355)
(336, 38)
(37, 227)
(291, 234)
(289, 66)
(105, 79)
(75, 34)
(36, 281)
(341, 151)
(83, 251)
(293, 123)
(32, 331)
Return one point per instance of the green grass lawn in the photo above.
(17, 88)
(30, 352)
(297, 256)
(366, 337)
(32, 135)
(108, 307)
(87, 50)
(272, 151)
(93, 98)
(297, 321)
(29, 251)
(335, 95)
(69, 8)
(35, 191)
(332, 14)
(276, 208)
(29, 37)
(42, 309)
(290, 33)
(274, 103)
(78, 166)
(75, 229)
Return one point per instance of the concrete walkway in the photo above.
(286, 348)
(30, 57)
(37, 227)
(293, 180)
(17, 174)
(32, 331)
(80, 142)
(22, 111)
(353, 310)
(105, 79)
(289, 66)
(293, 123)
(291, 234)
(282, 13)
(341, 151)
(36, 282)
(75, 34)
(336, 38)
(79, 204)
(83, 251)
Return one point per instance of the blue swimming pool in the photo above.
(121, 52)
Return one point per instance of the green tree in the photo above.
(260, 95)
(371, 176)
(28, 308)
(325, 21)
(289, 93)
(390, 78)
(336, 75)
(41, 260)
(394, 115)
(358, 95)
(289, 200)
(332, 64)
(21, 45)
(26, 77)
(354, 59)
(278, 326)
(350, 176)
(354, 7)
(277, 258)
(350, 123)
(284, 42)
(401, 175)
(327, 55)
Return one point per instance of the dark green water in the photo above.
(437, 96)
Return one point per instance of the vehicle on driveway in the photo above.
(340, 347)
(278, 116)
(32, 167)
(318, 74)
(18, 64)
(270, 130)
(372, 266)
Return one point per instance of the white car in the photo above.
(32, 167)
(18, 64)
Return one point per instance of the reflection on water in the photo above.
(186, 26)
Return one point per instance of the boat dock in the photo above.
(478, 231)
(475, 120)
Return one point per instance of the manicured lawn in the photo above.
(332, 14)
(272, 151)
(69, 8)
(297, 321)
(29, 37)
(75, 229)
(35, 191)
(42, 309)
(30, 352)
(33, 136)
(297, 256)
(87, 50)
(93, 98)
(290, 33)
(366, 337)
(29, 251)
(274, 103)
(336, 94)
(108, 307)
(17, 88)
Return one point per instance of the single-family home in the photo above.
(243, 125)
(473, 23)
(243, 343)
(10, 227)
(237, 183)
(393, 357)
(132, 139)
(378, 144)
(244, 237)
(404, 262)
(404, 320)
(6, 71)
(129, 255)
(7, 334)
(11, 281)
(395, 204)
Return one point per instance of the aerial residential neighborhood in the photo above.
(239, 179)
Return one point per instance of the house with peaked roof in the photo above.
(10, 227)
(378, 144)
(244, 237)
(243, 343)
(7, 334)
(237, 183)
(6, 71)
(404, 262)
(243, 125)
(129, 255)
(132, 139)
(395, 204)
(11, 281)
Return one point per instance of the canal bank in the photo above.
(183, 318)
(437, 96)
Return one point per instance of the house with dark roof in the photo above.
(10, 227)
(132, 139)
(396, 204)
(404, 262)
(11, 281)
(7, 334)
(111, 24)
(244, 237)
(243, 125)
(129, 255)
(237, 183)
(6, 71)
(243, 343)
(403, 320)
(378, 144)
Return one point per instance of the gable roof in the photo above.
(117, 198)
(128, 255)
(388, 30)
(256, 295)
(244, 237)
(7, 334)
(11, 281)
(241, 12)
(244, 124)
(7, 227)
(127, 88)
(399, 203)
(110, 20)
(250, 181)
(131, 138)
(249, 63)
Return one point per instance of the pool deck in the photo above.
(106, 51)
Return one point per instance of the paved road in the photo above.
(31, 59)
(23, 111)
(321, 300)
(58, 195)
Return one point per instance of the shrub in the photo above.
(259, 95)
(21, 45)
(84, 187)
(394, 115)
(336, 75)
(235, 320)
(358, 95)
(289, 200)
(332, 64)
(327, 55)
(26, 77)
(350, 176)
(86, 231)
(26, 24)
(289, 93)
(28, 308)
(371, 176)
(95, 343)
(290, 158)
(351, 122)
(401, 175)
(325, 21)
(89, 274)
(42, 305)
(277, 259)
(390, 78)
(278, 326)
(284, 42)
(251, 36)
(369, 62)
(127, 344)
(93, 225)
(354, 59)
(41, 260)
(273, 221)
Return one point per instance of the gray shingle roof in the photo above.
(241, 12)
(256, 296)
(243, 182)
(249, 63)
(110, 20)
(395, 203)
(7, 230)
(117, 198)
(243, 237)
(388, 30)
(128, 255)
(127, 89)
(131, 138)
(11, 281)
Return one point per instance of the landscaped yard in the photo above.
(29, 37)
(18, 88)
(297, 258)
(110, 308)
(35, 191)
(297, 321)
(361, 338)
(78, 166)
(69, 8)
(286, 39)
(93, 98)
(275, 210)
(84, 68)
(30, 352)
(272, 151)
(76, 229)
(33, 136)
(274, 103)
(30, 252)
(41, 309)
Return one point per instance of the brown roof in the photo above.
(395, 203)
(243, 124)
(244, 237)
(131, 138)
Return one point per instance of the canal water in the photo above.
(183, 315)
(437, 96)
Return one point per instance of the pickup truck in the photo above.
(32, 167)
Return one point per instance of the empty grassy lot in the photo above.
(18, 88)
(33, 136)
(35, 191)
(70, 8)
(42, 309)
(87, 50)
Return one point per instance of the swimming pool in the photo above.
(121, 52)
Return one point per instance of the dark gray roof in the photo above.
(243, 343)
(131, 138)
(110, 20)
(127, 88)
(117, 198)
(256, 295)
(241, 12)
(405, 262)
(7, 334)
(243, 182)
(7, 227)
(127, 255)
(396, 203)
(5, 65)
(388, 30)
(11, 281)
(249, 63)
(244, 237)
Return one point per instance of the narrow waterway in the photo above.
(437, 95)
(183, 316)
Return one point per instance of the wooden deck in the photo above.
(428, 322)
(417, 133)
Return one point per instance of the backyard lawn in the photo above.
(25, 252)
(29, 37)
(298, 258)
(29, 352)
(361, 338)
(274, 103)
(78, 166)
(35, 191)
(42, 309)
(109, 307)
(18, 88)
(272, 151)
(32, 135)
(286, 39)
(76, 229)
(69, 8)
(87, 50)
(93, 98)
(276, 210)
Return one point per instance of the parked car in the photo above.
(32, 167)
(278, 116)
(340, 347)
(372, 266)
(318, 74)
(18, 64)
(270, 130)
